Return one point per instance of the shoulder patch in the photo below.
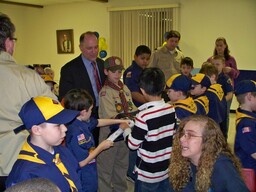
(129, 74)
(229, 81)
(246, 130)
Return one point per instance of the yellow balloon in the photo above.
(102, 44)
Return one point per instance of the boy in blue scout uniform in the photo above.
(225, 81)
(115, 99)
(42, 155)
(178, 87)
(200, 83)
(80, 139)
(216, 96)
(132, 73)
(245, 139)
(131, 80)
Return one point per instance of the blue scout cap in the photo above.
(44, 110)
(245, 86)
(179, 82)
(113, 63)
(202, 79)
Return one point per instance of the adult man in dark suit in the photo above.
(85, 71)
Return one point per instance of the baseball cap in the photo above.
(47, 78)
(179, 82)
(44, 110)
(245, 86)
(113, 63)
(202, 79)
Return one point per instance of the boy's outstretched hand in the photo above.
(124, 126)
(106, 144)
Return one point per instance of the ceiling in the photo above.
(41, 3)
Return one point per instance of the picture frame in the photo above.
(65, 41)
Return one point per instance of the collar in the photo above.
(6, 57)
(135, 65)
(240, 114)
(221, 74)
(86, 61)
(35, 154)
(164, 48)
(151, 104)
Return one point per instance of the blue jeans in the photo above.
(132, 162)
(163, 186)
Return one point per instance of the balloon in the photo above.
(96, 34)
(103, 54)
(165, 35)
(102, 44)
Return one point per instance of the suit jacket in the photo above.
(74, 75)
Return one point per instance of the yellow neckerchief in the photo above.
(217, 90)
(29, 154)
(204, 101)
(64, 172)
(187, 104)
(240, 115)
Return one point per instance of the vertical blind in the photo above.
(131, 28)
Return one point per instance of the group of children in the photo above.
(77, 169)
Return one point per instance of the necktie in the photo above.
(96, 76)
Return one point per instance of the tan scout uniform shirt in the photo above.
(110, 105)
(169, 63)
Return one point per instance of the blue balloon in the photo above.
(165, 35)
(103, 54)
(96, 34)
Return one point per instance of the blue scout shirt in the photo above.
(224, 178)
(245, 140)
(225, 81)
(80, 142)
(202, 103)
(217, 103)
(131, 79)
(35, 162)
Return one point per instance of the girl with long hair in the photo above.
(201, 159)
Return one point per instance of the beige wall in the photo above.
(201, 22)
(36, 30)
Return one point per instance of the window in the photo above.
(131, 28)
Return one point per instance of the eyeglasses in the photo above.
(13, 39)
(188, 135)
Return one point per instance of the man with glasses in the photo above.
(18, 85)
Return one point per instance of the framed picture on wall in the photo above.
(65, 41)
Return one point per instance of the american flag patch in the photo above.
(129, 75)
(80, 137)
(246, 130)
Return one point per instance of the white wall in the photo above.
(201, 22)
